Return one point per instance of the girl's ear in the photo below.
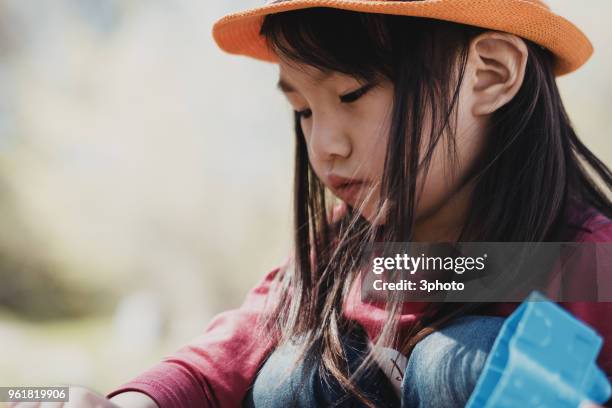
(496, 67)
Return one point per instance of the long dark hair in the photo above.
(533, 173)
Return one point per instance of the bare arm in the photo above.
(133, 399)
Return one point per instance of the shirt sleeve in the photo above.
(597, 314)
(216, 368)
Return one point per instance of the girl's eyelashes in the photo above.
(304, 114)
(346, 98)
(353, 96)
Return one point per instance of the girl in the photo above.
(432, 121)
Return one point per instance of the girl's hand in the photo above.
(338, 211)
(590, 405)
(81, 397)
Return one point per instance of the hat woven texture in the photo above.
(238, 33)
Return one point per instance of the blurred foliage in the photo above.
(31, 286)
(35, 291)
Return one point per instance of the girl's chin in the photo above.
(369, 214)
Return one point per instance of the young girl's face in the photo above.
(346, 125)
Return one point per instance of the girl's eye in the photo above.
(304, 114)
(353, 96)
(346, 98)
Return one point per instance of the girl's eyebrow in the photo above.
(286, 87)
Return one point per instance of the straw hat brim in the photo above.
(238, 33)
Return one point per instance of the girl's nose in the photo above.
(329, 139)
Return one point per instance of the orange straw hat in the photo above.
(238, 33)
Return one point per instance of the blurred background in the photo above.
(145, 178)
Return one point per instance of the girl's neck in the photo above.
(444, 224)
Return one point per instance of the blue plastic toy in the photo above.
(543, 357)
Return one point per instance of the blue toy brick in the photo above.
(542, 357)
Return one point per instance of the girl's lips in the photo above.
(350, 191)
